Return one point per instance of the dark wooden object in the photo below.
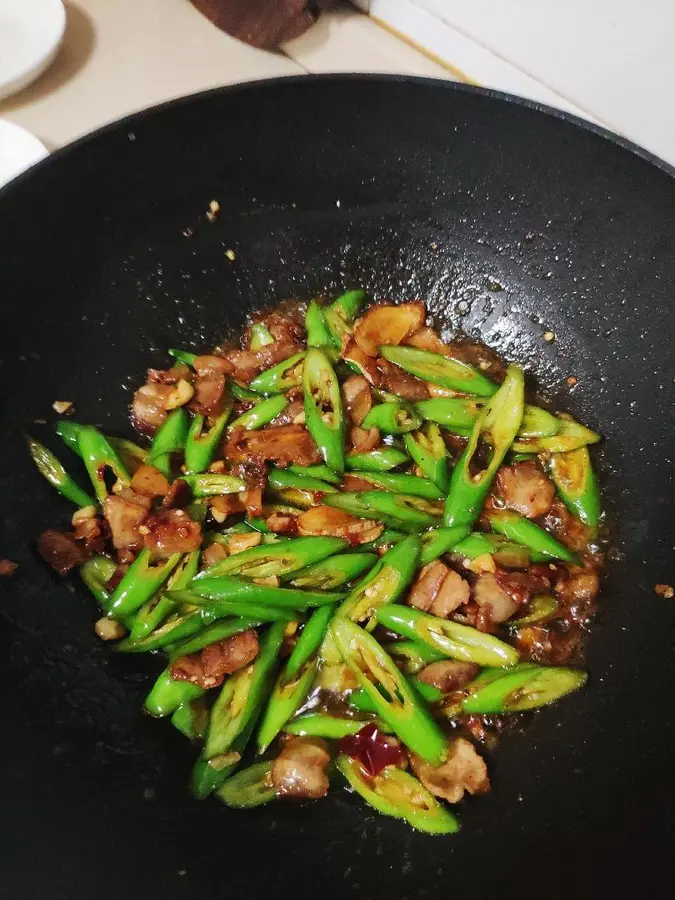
(261, 23)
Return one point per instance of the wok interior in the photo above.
(509, 223)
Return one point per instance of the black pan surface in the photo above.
(511, 221)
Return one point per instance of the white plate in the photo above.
(19, 149)
(30, 35)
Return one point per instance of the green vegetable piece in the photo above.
(505, 552)
(406, 513)
(295, 679)
(144, 578)
(438, 541)
(211, 485)
(281, 377)
(575, 481)
(402, 484)
(282, 558)
(249, 788)
(394, 700)
(498, 423)
(167, 694)
(455, 641)
(99, 459)
(457, 414)
(393, 418)
(323, 408)
(192, 719)
(130, 453)
(341, 313)
(318, 334)
(427, 449)
(218, 631)
(381, 460)
(440, 370)
(69, 433)
(385, 583)
(525, 689)
(321, 472)
(541, 608)
(209, 774)
(239, 392)
(523, 531)
(282, 479)
(331, 573)
(170, 438)
(204, 438)
(243, 694)
(261, 336)
(184, 356)
(399, 794)
(429, 692)
(223, 591)
(323, 725)
(50, 468)
(570, 436)
(159, 607)
(537, 422)
(414, 655)
(261, 414)
(96, 573)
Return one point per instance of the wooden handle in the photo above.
(261, 23)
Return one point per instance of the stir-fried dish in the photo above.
(360, 551)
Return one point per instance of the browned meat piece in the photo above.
(283, 444)
(90, 532)
(293, 413)
(169, 376)
(7, 567)
(576, 590)
(300, 769)
(209, 666)
(355, 483)
(282, 523)
(213, 554)
(212, 365)
(253, 502)
(253, 471)
(525, 488)
(325, 520)
(438, 589)
(357, 397)
(60, 550)
(492, 598)
(227, 505)
(398, 382)
(179, 495)
(149, 481)
(365, 364)
(448, 675)
(546, 645)
(388, 324)
(427, 339)
(283, 328)
(522, 586)
(209, 395)
(125, 513)
(362, 440)
(249, 363)
(463, 770)
(171, 531)
(240, 542)
(568, 529)
(148, 409)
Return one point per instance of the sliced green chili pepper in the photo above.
(385, 583)
(323, 408)
(278, 379)
(403, 511)
(69, 433)
(395, 701)
(130, 453)
(360, 700)
(324, 725)
(221, 629)
(261, 414)
(388, 536)
(192, 719)
(50, 468)
(342, 312)
(498, 423)
(455, 641)
(214, 593)
(318, 471)
(318, 334)
(282, 558)
(381, 460)
(437, 369)
(334, 572)
(209, 774)
(575, 481)
(414, 655)
(249, 788)
(184, 356)
(282, 479)
(399, 794)
(176, 628)
(158, 608)
(168, 693)
(296, 678)
(571, 435)
(541, 608)
(170, 438)
(427, 449)
(393, 418)
(99, 459)
(204, 438)
(429, 692)
(144, 578)
(210, 485)
(438, 541)
(401, 483)
(239, 392)
(525, 689)
(96, 573)
(523, 531)
(537, 422)
(261, 336)
(454, 413)
(505, 552)
(243, 694)
(353, 503)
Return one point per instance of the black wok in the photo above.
(510, 220)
